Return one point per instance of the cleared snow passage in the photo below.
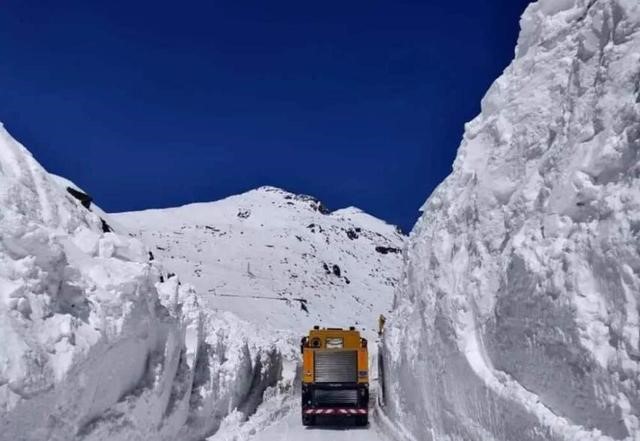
(290, 428)
(279, 419)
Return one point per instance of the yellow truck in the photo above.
(335, 376)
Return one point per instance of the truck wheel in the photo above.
(362, 420)
(308, 420)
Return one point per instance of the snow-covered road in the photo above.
(278, 419)
(291, 429)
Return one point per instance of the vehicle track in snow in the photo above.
(279, 419)
(290, 428)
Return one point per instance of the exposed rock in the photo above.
(387, 250)
(84, 198)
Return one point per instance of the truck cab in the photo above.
(335, 375)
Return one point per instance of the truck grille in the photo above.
(335, 397)
(336, 366)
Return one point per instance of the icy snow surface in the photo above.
(518, 315)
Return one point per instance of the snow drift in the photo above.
(95, 343)
(518, 318)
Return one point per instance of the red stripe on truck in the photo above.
(338, 410)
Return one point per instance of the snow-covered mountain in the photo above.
(284, 263)
(93, 344)
(278, 259)
(106, 339)
(519, 314)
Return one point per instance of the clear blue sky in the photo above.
(154, 104)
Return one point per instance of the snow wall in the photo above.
(518, 315)
(94, 343)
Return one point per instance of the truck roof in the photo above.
(342, 338)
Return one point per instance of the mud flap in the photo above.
(381, 384)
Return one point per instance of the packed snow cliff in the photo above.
(95, 344)
(106, 339)
(518, 318)
(284, 263)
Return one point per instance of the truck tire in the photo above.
(308, 420)
(362, 420)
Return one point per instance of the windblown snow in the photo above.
(518, 317)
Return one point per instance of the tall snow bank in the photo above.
(93, 346)
(518, 318)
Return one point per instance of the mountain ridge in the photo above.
(269, 242)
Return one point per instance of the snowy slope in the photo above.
(519, 313)
(284, 263)
(267, 253)
(93, 345)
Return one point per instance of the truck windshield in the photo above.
(334, 343)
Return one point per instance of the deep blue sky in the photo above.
(150, 104)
